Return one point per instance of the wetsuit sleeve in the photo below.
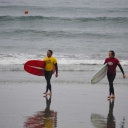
(121, 68)
(56, 65)
(105, 61)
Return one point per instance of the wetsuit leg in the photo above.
(48, 75)
(111, 78)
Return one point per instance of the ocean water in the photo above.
(79, 32)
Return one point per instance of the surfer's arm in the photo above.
(124, 76)
(56, 65)
(121, 69)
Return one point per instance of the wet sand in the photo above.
(75, 103)
(71, 106)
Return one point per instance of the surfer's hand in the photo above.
(124, 76)
(56, 75)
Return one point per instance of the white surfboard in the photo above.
(99, 75)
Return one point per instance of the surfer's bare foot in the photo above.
(109, 97)
(112, 96)
(50, 93)
(45, 93)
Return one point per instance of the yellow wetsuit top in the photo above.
(50, 62)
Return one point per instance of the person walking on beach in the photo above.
(50, 63)
(112, 63)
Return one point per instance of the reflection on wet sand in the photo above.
(111, 119)
(43, 119)
(123, 123)
(100, 122)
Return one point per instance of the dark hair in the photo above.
(50, 51)
(113, 53)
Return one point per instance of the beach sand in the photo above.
(72, 105)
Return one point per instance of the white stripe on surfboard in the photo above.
(36, 67)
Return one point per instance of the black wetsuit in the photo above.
(48, 75)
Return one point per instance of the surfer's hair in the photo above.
(50, 51)
(113, 53)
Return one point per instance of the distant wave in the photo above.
(82, 19)
(8, 5)
(20, 58)
(63, 33)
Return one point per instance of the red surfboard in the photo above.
(35, 67)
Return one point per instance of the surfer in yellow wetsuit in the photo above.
(50, 63)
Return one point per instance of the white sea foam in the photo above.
(20, 58)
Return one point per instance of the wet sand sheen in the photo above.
(70, 106)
